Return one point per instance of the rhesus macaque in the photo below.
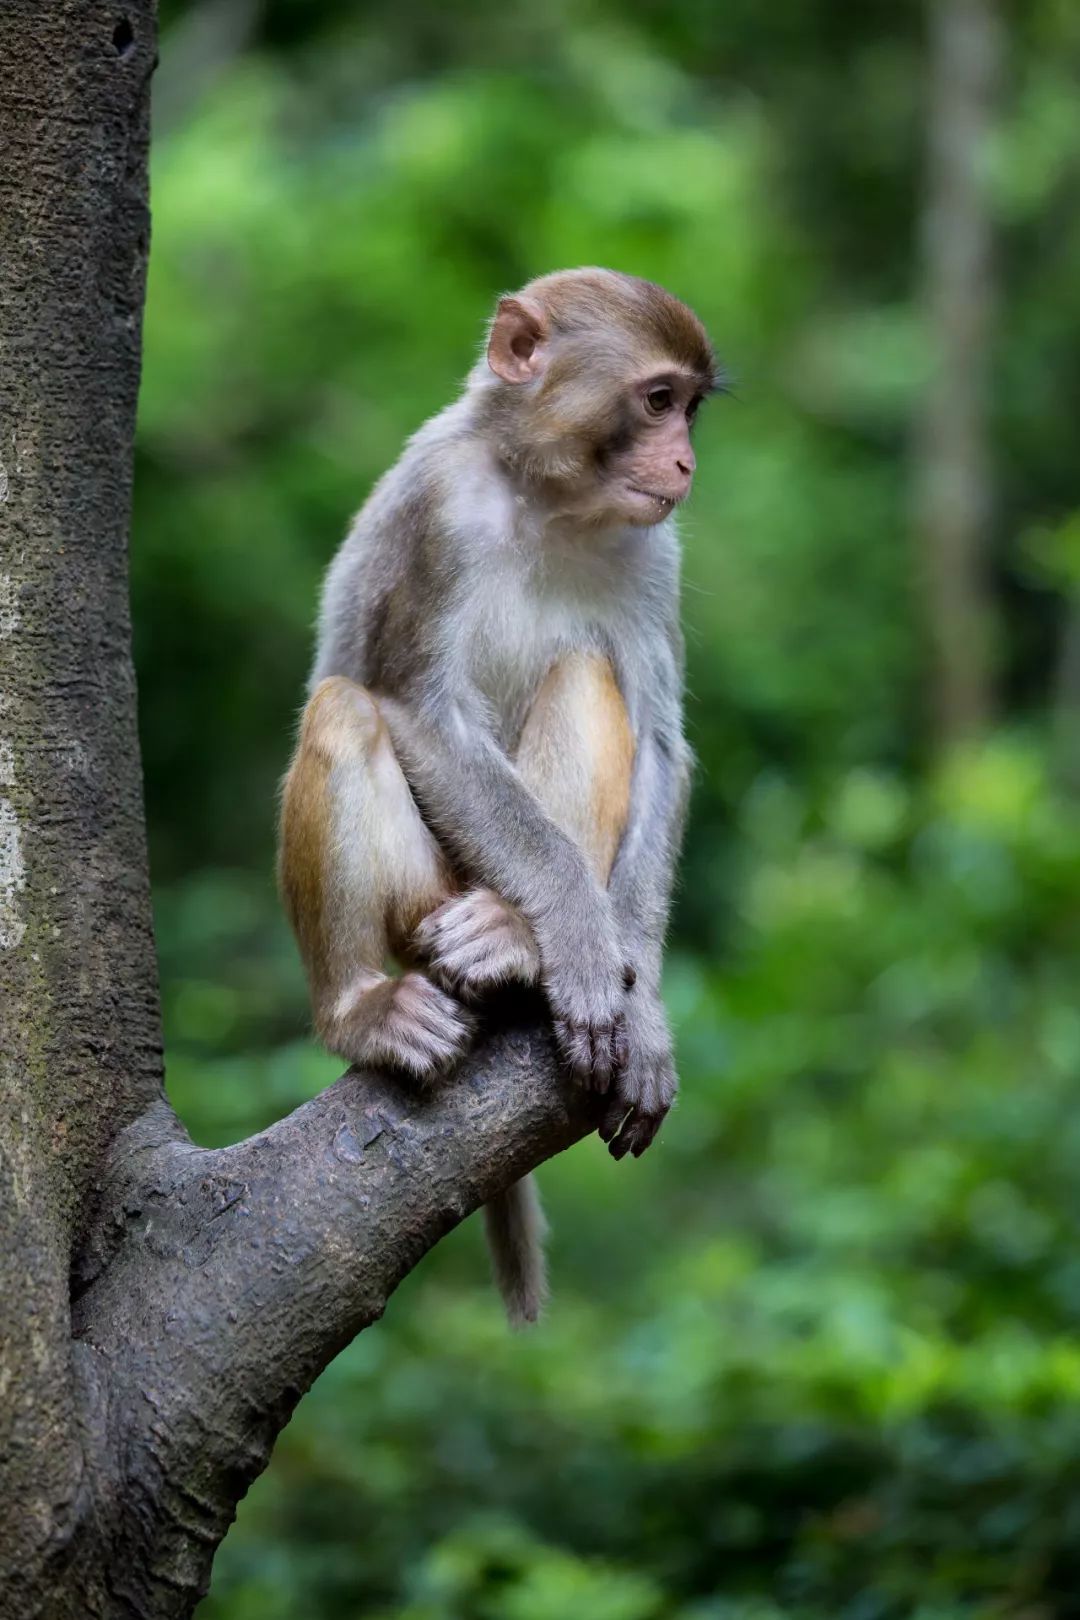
(490, 777)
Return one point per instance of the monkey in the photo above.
(490, 778)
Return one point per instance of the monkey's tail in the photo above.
(515, 1227)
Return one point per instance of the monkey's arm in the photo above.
(484, 815)
(640, 889)
(643, 875)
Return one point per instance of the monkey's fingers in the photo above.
(638, 1132)
(617, 1111)
(573, 1045)
(610, 1047)
(476, 942)
(601, 1045)
(471, 966)
(425, 1030)
(586, 1050)
(620, 1047)
(630, 1132)
(407, 1023)
(638, 1110)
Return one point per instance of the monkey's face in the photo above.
(605, 375)
(614, 438)
(649, 468)
(605, 434)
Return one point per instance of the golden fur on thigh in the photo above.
(577, 754)
(358, 867)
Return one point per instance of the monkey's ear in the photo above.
(517, 346)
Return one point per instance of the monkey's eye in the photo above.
(659, 399)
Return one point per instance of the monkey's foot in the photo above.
(478, 941)
(406, 1023)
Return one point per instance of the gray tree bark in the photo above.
(162, 1307)
(952, 473)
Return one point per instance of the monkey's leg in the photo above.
(576, 754)
(358, 870)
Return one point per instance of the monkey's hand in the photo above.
(477, 941)
(585, 975)
(645, 1089)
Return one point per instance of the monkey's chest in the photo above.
(512, 651)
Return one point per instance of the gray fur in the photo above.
(515, 1227)
(451, 598)
(457, 588)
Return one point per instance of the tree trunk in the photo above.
(953, 495)
(162, 1307)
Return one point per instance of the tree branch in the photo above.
(218, 1284)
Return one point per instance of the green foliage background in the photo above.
(818, 1354)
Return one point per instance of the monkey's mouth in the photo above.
(654, 495)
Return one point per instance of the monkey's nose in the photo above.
(686, 461)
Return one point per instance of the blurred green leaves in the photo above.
(823, 1344)
(818, 1354)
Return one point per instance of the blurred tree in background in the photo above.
(818, 1354)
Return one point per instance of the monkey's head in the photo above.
(597, 379)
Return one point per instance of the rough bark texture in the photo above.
(953, 484)
(162, 1307)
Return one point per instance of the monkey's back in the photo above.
(381, 579)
